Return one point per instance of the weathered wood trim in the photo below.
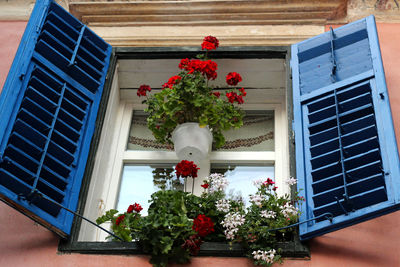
(195, 12)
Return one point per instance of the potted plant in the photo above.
(189, 98)
(179, 222)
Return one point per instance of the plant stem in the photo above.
(184, 182)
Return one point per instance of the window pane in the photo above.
(256, 134)
(140, 181)
(141, 138)
(241, 178)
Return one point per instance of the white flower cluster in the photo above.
(258, 182)
(256, 199)
(268, 214)
(289, 210)
(267, 256)
(217, 182)
(223, 205)
(231, 223)
(291, 181)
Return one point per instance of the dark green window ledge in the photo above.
(292, 249)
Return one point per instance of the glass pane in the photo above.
(140, 181)
(141, 138)
(256, 134)
(241, 178)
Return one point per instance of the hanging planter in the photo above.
(192, 142)
(188, 97)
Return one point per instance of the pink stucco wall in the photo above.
(373, 243)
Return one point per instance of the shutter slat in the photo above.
(18, 170)
(50, 121)
(347, 160)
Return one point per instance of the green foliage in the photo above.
(166, 228)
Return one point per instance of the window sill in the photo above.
(292, 249)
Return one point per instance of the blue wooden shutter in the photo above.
(346, 156)
(48, 109)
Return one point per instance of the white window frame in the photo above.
(113, 155)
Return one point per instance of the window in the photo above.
(257, 150)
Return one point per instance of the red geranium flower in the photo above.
(239, 99)
(143, 90)
(205, 186)
(119, 219)
(184, 62)
(207, 67)
(172, 81)
(203, 225)
(193, 244)
(233, 78)
(217, 94)
(232, 97)
(186, 168)
(268, 182)
(130, 209)
(210, 43)
(135, 207)
(244, 93)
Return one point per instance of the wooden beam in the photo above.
(261, 12)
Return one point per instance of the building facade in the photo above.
(238, 24)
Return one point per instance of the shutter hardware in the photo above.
(333, 60)
(35, 195)
(78, 43)
(346, 201)
(327, 215)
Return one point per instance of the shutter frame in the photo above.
(374, 78)
(71, 125)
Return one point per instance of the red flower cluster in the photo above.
(210, 43)
(186, 168)
(135, 207)
(172, 81)
(193, 244)
(243, 92)
(232, 97)
(268, 182)
(205, 186)
(203, 225)
(217, 94)
(206, 67)
(233, 78)
(119, 219)
(143, 90)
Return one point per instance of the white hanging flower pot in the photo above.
(192, 142)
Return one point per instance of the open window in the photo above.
(130, 165)
(346, 155)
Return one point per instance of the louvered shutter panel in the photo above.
(346, 156)
(48, 109)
